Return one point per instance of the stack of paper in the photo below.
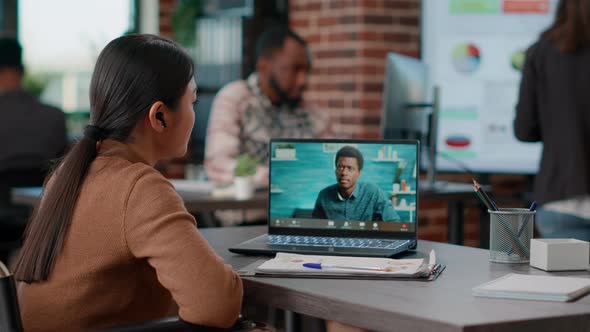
(293, 264)
(531, 287)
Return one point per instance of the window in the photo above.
(61, 40)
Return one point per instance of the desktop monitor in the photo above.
(405, 98)
(408, 110)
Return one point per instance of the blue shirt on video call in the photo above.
(367, 203)
(349, 199)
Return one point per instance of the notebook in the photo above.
(532, 287)
(340, 198)
(292, 265)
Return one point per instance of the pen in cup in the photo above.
(490, 204)
(522, 228)
(533, 206)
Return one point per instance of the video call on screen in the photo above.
(309, 188)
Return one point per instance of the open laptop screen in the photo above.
(344, 185)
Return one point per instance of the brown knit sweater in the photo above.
(131, 253)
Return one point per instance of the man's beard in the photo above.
(284, 98)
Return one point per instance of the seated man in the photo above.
(31, 133)
(31, 136)
(269, 103)
(349, 199)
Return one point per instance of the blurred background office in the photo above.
(477, 68)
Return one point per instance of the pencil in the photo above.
(488, 206)
(484, 196)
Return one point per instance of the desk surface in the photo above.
(442, 305)
(193, 203)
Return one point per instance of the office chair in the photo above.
(10, 319)
(9, 311)
(13, 218)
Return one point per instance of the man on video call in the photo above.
(349, 199)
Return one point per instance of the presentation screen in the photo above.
(475, 50)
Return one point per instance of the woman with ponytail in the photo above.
(111, 242)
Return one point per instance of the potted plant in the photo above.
(35, 84)
(243, 172)
(183, 21)
(285, 151)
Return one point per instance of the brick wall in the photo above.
(349, 40)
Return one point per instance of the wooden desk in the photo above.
(194, 204)
(444, 305)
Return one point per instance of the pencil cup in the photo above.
(511, 231)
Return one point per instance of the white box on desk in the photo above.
(559, 254)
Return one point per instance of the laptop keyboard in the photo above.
(344, 242)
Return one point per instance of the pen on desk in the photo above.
(320, 266)
(484, 196)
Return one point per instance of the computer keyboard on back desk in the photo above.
(344, 242)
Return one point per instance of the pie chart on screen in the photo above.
(466, 58)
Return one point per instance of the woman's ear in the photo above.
(157, 116)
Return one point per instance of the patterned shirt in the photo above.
(243, 120)
(366, 203)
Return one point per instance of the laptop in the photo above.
(340, 197)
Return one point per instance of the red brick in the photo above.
(349, 19)
(393, 4)
(371, 135)
(327, 21)
(367, 132)
(411, 53)
(372, 70)
(413, 21)
(342, 36)
(299, 23)
(338, 70)
(336, 103)
(313, 6)
(374, 53)
(378, 19)
(347, 86)
(361, 119)
(371, 4)
(367, 103)
(397, 37)
(323, 87)
(370, 35)
(337, 4)
(337, 53)
(313, 39)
